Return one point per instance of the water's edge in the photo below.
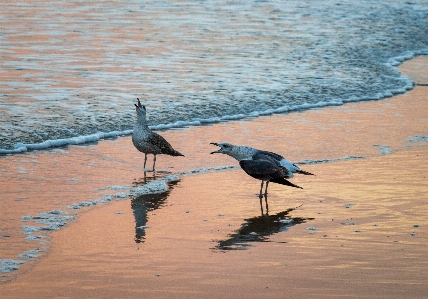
(82, 140)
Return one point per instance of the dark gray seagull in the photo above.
(262, 165)
(149, 142)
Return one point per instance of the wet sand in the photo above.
(356, 230)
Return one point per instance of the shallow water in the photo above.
(189, 233)
(45, 191)
(75, 69)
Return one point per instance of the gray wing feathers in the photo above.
(260, 154)
(291, 167)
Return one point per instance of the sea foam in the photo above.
(9, 265)
(82, 140)
(278, 64)
(407, 84)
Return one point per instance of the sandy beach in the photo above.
(356, 230)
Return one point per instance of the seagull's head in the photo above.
(235, 151)
(225, 148)
(141, 111)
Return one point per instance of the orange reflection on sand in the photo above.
(365, 239)
(375, 255)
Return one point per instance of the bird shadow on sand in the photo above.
(259, 229)
(145, 205)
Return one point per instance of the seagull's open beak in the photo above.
(139, 104)
(215, 152)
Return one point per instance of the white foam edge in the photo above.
(159, 185)
(51, 220)
(21, 147)
(30, 254)
(318, 161)
(9, 265)
(80, 140)
(202, 170)
(418, 139)
(56, 219)
(383, 149)
(154, 187)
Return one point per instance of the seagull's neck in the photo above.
(142, 123)
(242, 153)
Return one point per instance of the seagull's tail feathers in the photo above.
(175, 153)
(283, 181)
(304, 172)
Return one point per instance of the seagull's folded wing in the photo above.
(258, 168)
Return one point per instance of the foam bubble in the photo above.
(34, 238)
(52, 220)
(384, 149)
(156, 186)
(207, 169)
(9, 265)
(346, 158)
(418, 139)
(30, 254)
(311, 228)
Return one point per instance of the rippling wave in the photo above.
(71, 71)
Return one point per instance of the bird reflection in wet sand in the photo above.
(261, 203)
(146, 179)
(142, 206)
(258, 229)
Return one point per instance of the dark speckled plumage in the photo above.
(262, 165)
(147, 141)
(267, 170)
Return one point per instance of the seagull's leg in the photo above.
(261, 189)
(154, 162)
(267, 183)
(145, 160)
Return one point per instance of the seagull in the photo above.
(149, 142)
(262, 165)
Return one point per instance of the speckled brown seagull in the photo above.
(149, 142)
(262, 165)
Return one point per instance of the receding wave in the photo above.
(81, 140)
(193, 63)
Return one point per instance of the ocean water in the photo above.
(71, 71)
